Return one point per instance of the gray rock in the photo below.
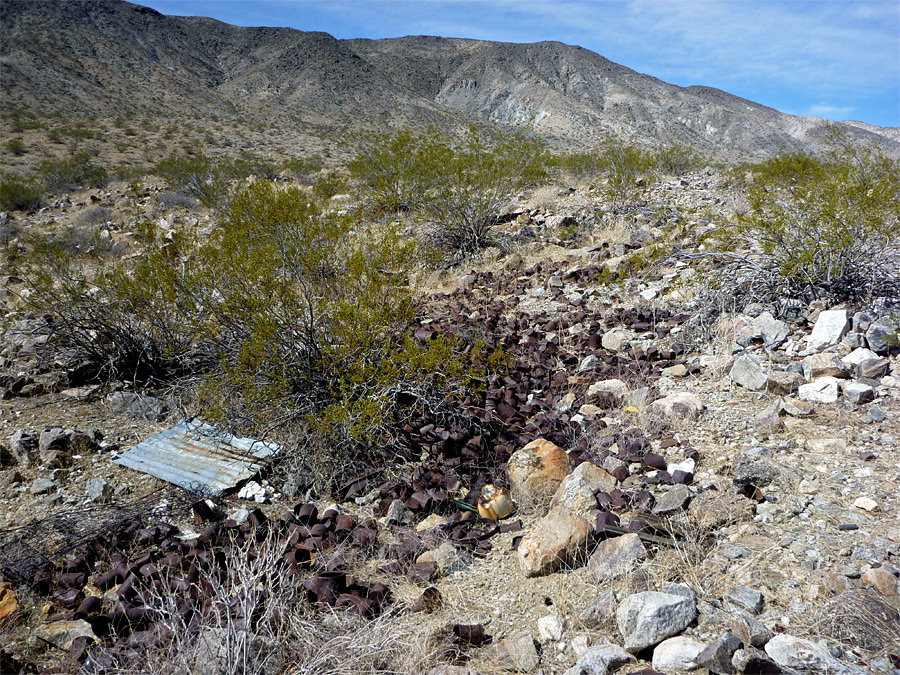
(775, 333)
(767, 423)
(550, 627)
(615, 557)
(646, 619)
(805, 656)
(41, 486)
(516, 653)
(876, 414)
(754, 471)
(598, 660)
(752, 660)
(23, 444)
(862, 321)
(716, 657)
(672, 501)
(398, 514)
(447, 669)
(872, 368)
(98, 490)
(882, 334)
(857, 392)
(829, 329)
(746, 598)
(136, 405)
(748, 373)
(601, 611)
(615, 341)
(677, 653)
(61, 634)
(751, 631)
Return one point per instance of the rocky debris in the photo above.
(748, 373)
(599, 659)
(615, 557)
(783, 382)
(716, 657)
(536, 471)
(646, 619)
(713, 509)
(53, 447)
(617, 389)
(253, 491)
(516, 653)
(682, 405)
(447, 669)
(140, 406)
(677, 653)
(804, 656)
(557, 540)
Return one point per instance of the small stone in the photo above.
(746, 598)
(516, 653)
(61, 634)
(9, 605)
(882, 335)
(783, 382)
(99, 491)
(754, 472)
(599, 660)
(615, 557)
(682, 405)
(41, 486)
(677, 653)
(716, 657)
(713, 509)
(577, 489)
(255, 492)
(616, 388)
(830, 327)
(876, 414)
(858, 393)
(797, 654)
(750, 630)
(550, 628)
(678, 370)
(601, 610)
(672, 501)
(751, 660)
(646, 619)
(432, 521)
(873, 369)
(615, 341)
(747, 373)
(866, 504)
(797, 408)
(444, 556)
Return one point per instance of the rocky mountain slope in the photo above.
(107, 57)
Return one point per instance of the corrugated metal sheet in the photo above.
(199, 457)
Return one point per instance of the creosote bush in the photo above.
(820, 227)
(459, 188)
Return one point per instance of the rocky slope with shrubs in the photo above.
(701, 482)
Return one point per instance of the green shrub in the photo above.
(627, 170)
(200, 176)
(75, 171)
(823, 227)
(329, 184)
(19, 194)
(16, 146)
(677, 159)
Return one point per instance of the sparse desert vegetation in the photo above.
(680, 368)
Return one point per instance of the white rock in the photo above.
(866, 504)
(646, 619)
(829, 329)
(550, 628)
(748, 373)
(798, 654)
(857, 392)
(677, 653)
(255, 492)
(687, 466)
(617, 388)
(615, 340)
(822, 390)
(859, 355)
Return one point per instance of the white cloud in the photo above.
(831, 112)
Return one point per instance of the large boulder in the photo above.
(559, 539)
(536, 471)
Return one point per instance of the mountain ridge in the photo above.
(87, 56)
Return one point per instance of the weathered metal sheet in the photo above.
(199, 457)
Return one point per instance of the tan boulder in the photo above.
(576, 491)
(535, 471)
(558, 540)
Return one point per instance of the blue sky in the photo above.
(834, 59)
